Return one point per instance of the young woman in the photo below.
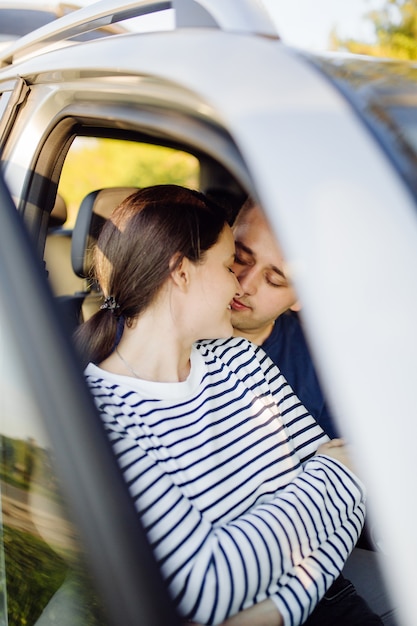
(244, 500)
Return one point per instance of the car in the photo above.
(327, 143)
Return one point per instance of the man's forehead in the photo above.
(270, 262)
(259, 238)
(240, 244)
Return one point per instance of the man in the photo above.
(266, 313)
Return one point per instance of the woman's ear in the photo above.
(181, 272)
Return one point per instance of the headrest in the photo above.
(58, 215)
(94, 210)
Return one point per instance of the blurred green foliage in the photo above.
(33, 573)
(41, 568)
(39, 581)
(395, 28)
(95, 163)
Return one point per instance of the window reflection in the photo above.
(385, 98)
(42, 580)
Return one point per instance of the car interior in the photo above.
(68, 249)
(94, 209)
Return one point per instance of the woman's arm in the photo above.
(291, 548)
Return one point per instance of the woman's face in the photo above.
(214, 288)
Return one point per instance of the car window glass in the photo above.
(18, 22)
(42, 579)
(95, 163)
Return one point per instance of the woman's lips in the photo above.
(237, 305)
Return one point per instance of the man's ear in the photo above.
(181, 272)
(296, 306)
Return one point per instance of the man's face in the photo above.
(259, 267)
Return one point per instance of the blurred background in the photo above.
(311, 24)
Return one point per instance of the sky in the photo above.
(308, 23)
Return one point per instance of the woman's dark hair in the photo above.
(135, 252)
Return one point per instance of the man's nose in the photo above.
(247, 279)
(239, 290)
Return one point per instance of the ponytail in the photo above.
(96, 338)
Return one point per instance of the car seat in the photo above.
(94, 210)
(57, 254)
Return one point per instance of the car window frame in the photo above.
(13, 94)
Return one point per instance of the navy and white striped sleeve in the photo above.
(268, 381)
(306, 434)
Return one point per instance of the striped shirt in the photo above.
(221, 469)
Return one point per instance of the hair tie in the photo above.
(110, 304)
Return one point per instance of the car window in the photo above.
(18, 22)
(42, 575)
(93, 163)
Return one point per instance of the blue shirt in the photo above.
(287, 347)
